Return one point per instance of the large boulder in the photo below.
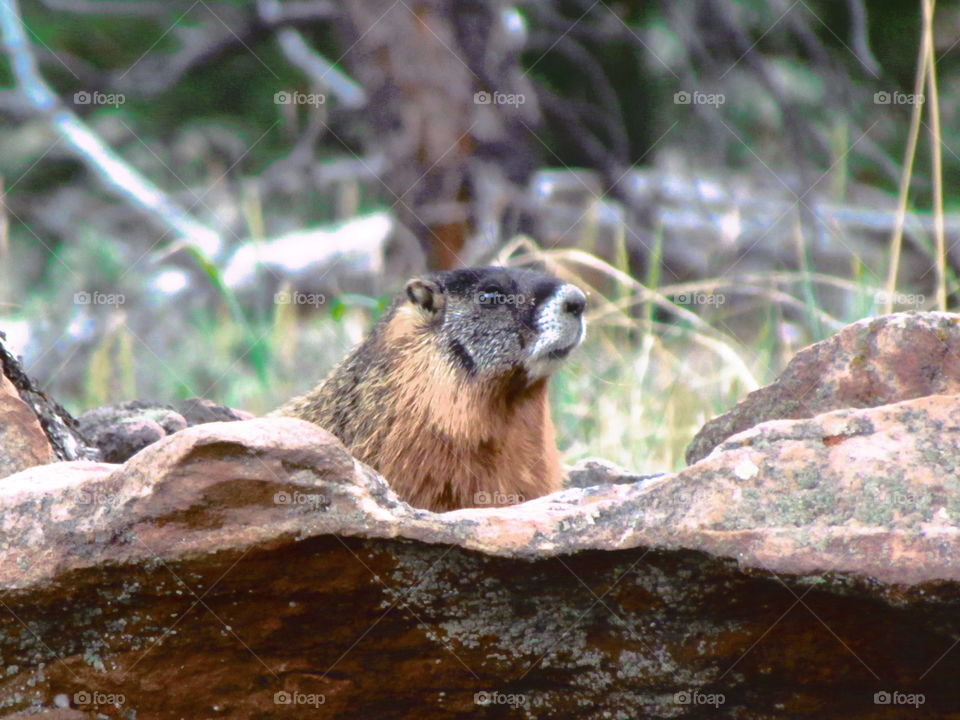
(253, 569)
(869, 363)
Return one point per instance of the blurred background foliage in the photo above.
(721, 175)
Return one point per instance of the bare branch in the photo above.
(320, 70)
(275, 14)
(157, 72)
(570, 124)
(609, 114)
(113, 7)
(115, 173)
(860, 37)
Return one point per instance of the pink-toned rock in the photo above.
(254, 569)
(199, 410)
(24, 410)
(240, 470)
(869, 363)
(851, 491)
(121, 430)
(22, 441)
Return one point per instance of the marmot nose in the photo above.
(574, 301)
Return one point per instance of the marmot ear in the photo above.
(425, 294)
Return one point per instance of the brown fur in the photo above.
(438, 436)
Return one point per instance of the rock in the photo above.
(124, 429)
(197, 411)
(24, 408)
(253, 569)
(22, 442)
(597, 471)
(869, 363)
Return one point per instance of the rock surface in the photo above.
(25, 409)
(255, 570)
(869, 363)
(121, 430)
(22, 442)
(197, 411)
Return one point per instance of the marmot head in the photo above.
(496, 321)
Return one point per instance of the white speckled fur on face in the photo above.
(557, 331)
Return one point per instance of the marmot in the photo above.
(447, 395)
